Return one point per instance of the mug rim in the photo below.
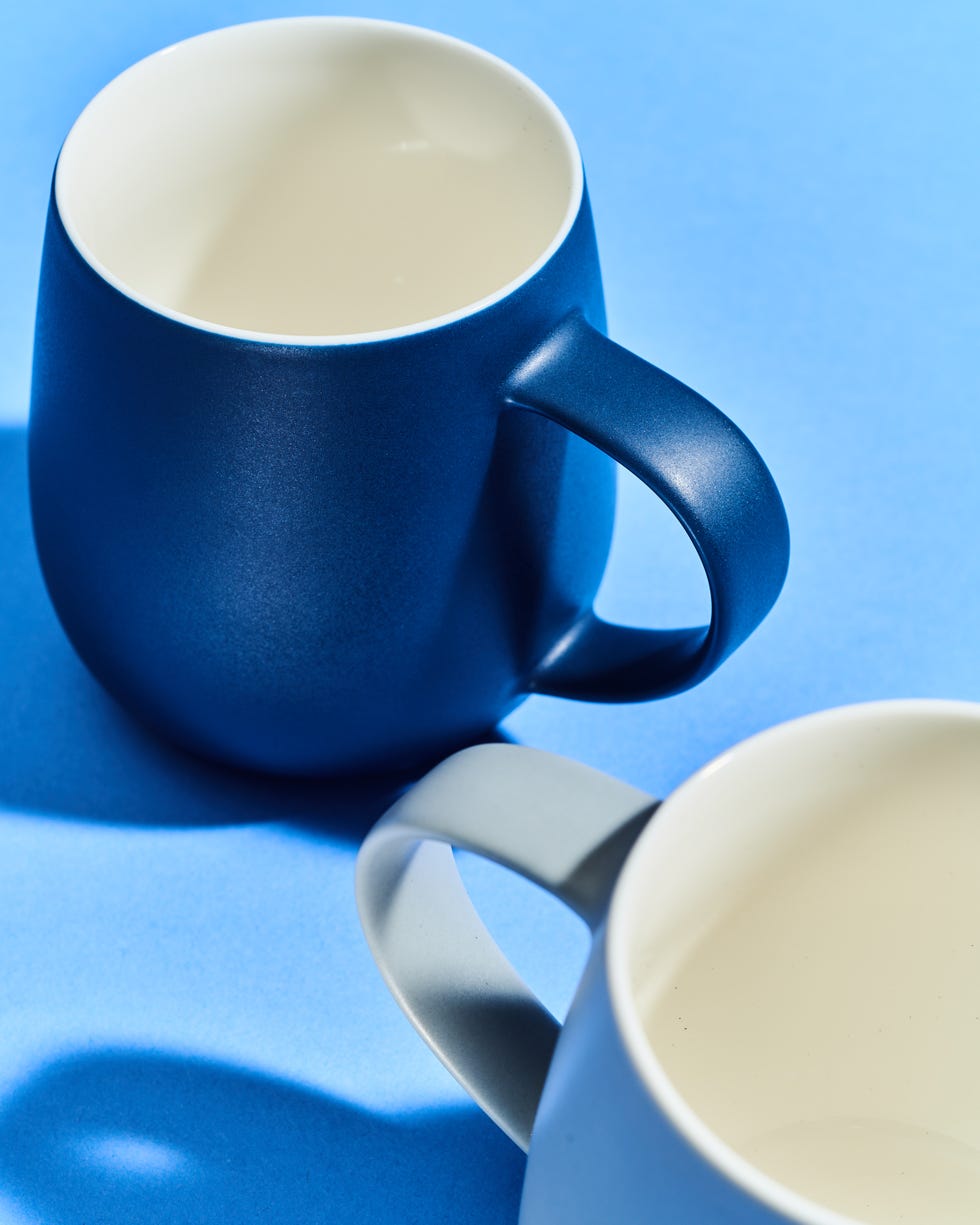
(639, 1048)
(459, 46)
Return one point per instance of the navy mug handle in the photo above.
(702, 467)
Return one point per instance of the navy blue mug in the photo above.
(323, 409)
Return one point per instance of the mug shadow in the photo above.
(124, 1136)
(68, 750)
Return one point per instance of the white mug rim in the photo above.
(457, 45)
(646, 1064)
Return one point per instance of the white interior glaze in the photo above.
(318, 178)
(726, 828)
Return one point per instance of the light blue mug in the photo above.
(778, 1019)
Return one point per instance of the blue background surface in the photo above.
(787, 201)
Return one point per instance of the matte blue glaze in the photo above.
(703, 468)
(342, 557)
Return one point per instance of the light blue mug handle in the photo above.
(702, 467)
(560, 824)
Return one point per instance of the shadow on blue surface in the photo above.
(125, 1136)
(66, 749)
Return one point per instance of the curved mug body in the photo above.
(776, 1021)
(311, 291)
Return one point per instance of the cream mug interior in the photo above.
(302, 178)
(804, 999)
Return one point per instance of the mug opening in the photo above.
(318, 179)
(793, 1089)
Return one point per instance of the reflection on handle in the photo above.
(560, 824)
(705, 470)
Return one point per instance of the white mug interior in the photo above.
(318, 177)
(834, 1073)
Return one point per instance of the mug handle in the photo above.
(562, 825)
(707, 472)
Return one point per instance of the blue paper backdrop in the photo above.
(787, 203)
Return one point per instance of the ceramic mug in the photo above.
(322, 406)
(778, 1020)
